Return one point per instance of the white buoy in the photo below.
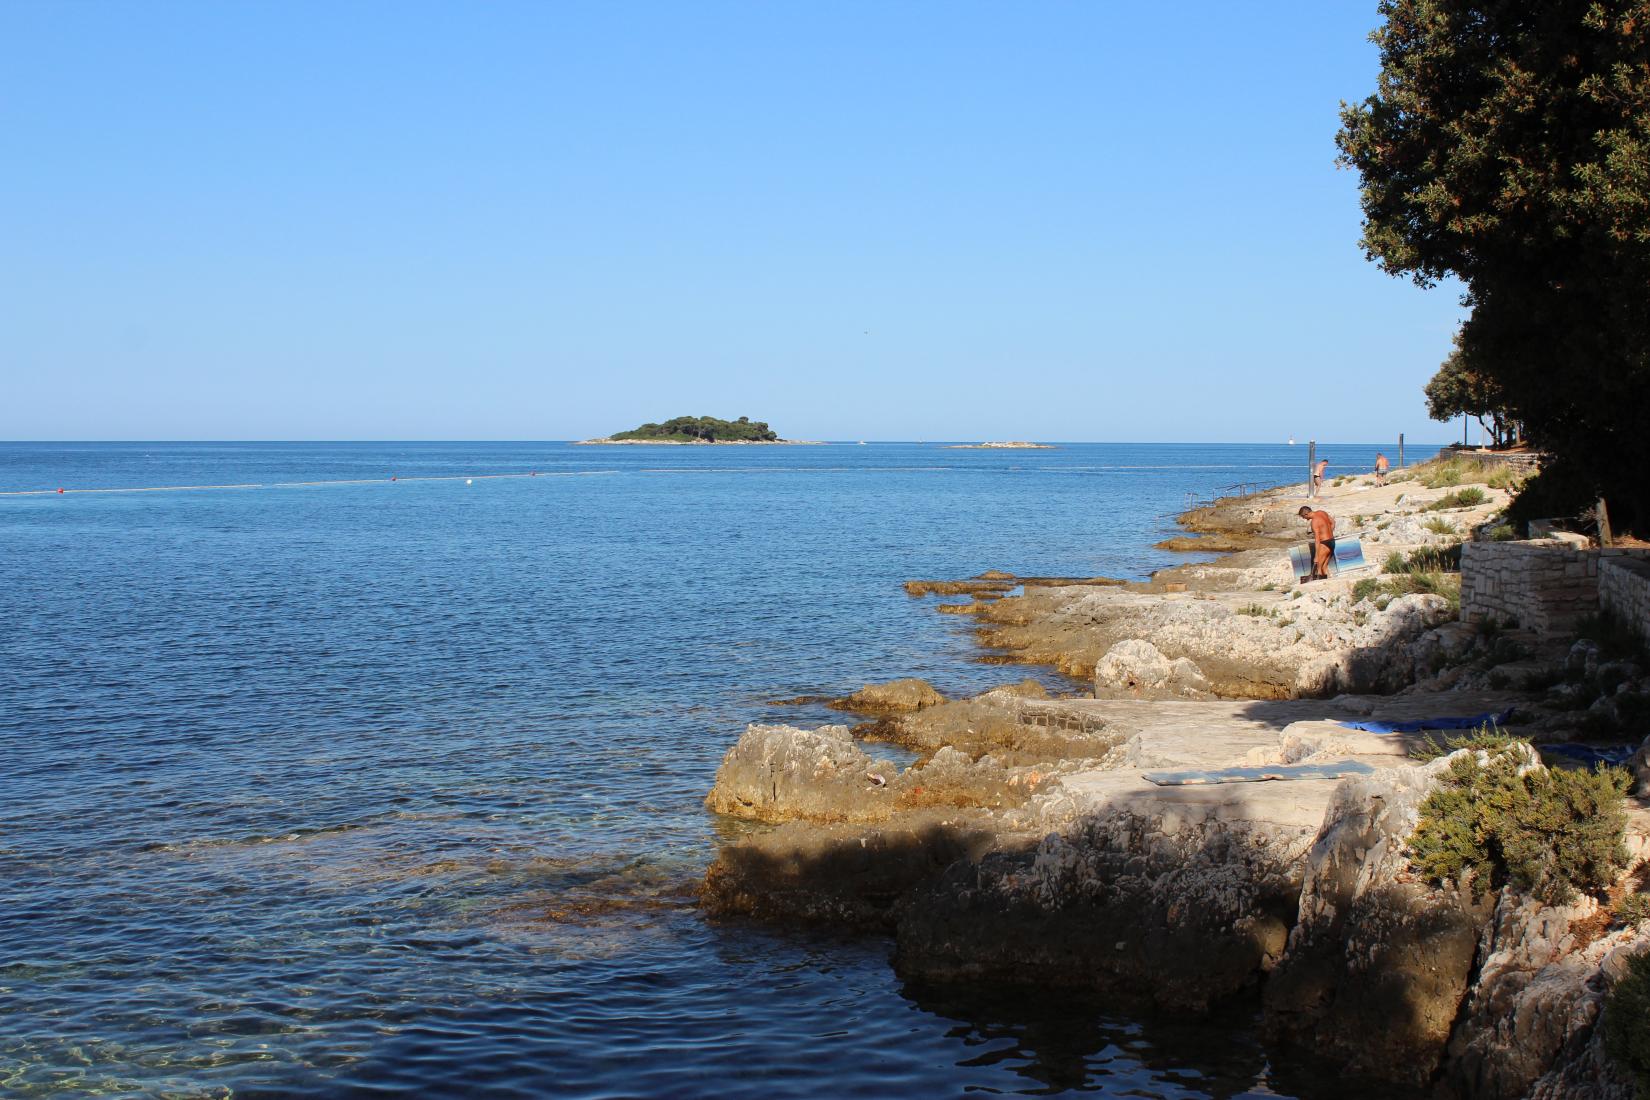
(469, 481)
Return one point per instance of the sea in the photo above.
(365, 769)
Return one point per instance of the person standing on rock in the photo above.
(1381, 467)
(1317, 476)
(1323, 541)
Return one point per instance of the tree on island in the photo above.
(704, 429)
(1461, 389)
(1508, 145)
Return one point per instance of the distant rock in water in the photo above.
(697, 429)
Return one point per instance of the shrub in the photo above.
(1501, 532)
(1439, 526)
(1546, 832)
(1428, 559)
(1627, 1022)
(1489, 737)
(1382, 592)
(1469, 497)
(1258, 611)
(1633, 909)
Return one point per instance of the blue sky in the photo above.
(1095, 221)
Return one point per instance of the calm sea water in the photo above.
(395, 786)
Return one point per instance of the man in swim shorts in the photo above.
(1381, 467)
(1323, 541)
(1317, 476)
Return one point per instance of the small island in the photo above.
(697, 430)
(1006, 445)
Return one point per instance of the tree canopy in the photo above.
(1508, 145)
(703, 429)
(1459, 389)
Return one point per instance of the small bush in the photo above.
(1427, 559)
(1627, 1022)
(1257, 610)
(1470, 497)
(1489, 737)
(1633, 909)
(1547, 832)
(1439, 526)
(1501, 532)
(1382, 592)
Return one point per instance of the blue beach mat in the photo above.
(1613, 755)
(1421, 725)
(1349, 554)
(1261, 774)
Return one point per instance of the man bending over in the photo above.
(1323, 541)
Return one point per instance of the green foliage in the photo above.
(1627, 1022)
(703, 429)
(1459, 388)
(1439, 526)
(1427, 559)
(1489, 737)
(1258, 610)
(1469, 497)
(1367, 588)
(1381, 592)
(1506, 145)
(1633, 909)
(1502, 532)
(1546, 832)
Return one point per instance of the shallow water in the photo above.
(395, 786)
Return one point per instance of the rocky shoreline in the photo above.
(1033, 842)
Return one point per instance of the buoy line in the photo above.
(465, 478)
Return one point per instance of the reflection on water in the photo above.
(397, 787)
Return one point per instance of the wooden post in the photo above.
(1311, 465)
(1605, 536)
(1400, 450)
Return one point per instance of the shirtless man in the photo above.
(1317, 476)
(1323, 541)
(1381, 467)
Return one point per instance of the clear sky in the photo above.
(398, 220)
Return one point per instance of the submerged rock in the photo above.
(841, 875)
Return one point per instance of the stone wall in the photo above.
(1547, 585)
(1523, 461)
(1624, 591)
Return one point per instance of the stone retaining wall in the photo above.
(1624, 591)
(1547, 585)
(1526, 461)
